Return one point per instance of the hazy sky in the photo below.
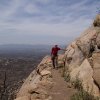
(44, 21)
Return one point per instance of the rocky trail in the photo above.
(46, 83)
(61, 89)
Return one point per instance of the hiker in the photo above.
(54, 55)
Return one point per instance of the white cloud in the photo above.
(31, 8)
(61, 29)
(43, 1)
(57, 21)
(8, 11)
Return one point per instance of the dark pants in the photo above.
(54, 59)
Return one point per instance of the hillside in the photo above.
(18, 60)
(79, 65)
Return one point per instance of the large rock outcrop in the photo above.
(96, 68)
(84, 55)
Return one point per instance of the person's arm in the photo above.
(63, 49)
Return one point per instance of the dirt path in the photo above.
(60, 90)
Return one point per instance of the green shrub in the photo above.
(77, 84)
(63, 71)
(65, 74)
(60, 66)
(67, 77)
(83, 95)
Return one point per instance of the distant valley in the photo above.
(16, 63)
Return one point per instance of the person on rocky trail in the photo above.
(54, 55)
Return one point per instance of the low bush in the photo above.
(77, 84)
(67, 77)
(83, 95)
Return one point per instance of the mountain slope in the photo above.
(81, 62)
